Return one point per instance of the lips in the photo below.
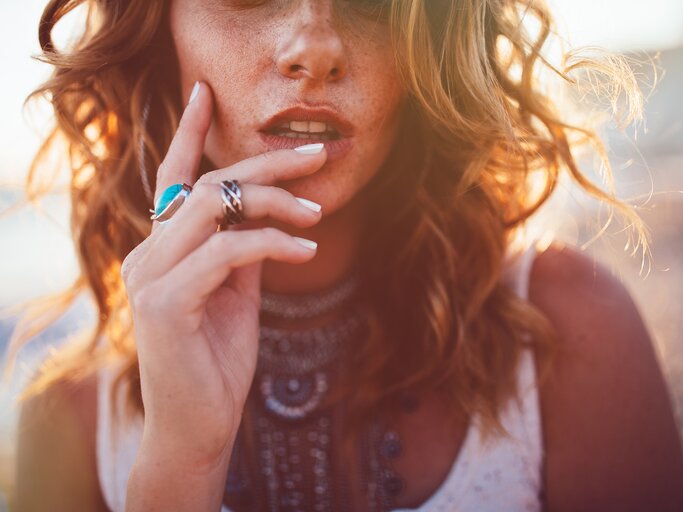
(336, 147)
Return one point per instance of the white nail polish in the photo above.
(310, 149)
(306, 243)
(309, 204)
(195, 91)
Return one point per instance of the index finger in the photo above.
(181, 163)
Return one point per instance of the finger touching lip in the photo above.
(269, 167)
(336, 149)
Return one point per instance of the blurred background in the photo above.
(37, 254)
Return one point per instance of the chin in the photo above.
(322, 188)
(333, 186)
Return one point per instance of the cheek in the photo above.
(374, 93)
(238, 104)
(378, 107)
(205, 53)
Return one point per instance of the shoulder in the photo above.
(56, 466)
(610, 437)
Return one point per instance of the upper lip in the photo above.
(339, 123)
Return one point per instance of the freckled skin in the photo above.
(260, 60)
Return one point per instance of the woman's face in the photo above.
(262, 57)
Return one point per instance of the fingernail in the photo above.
(306, 243)
(195, 91)
(310, 149)
(309, 204)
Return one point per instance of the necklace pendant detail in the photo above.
(293, 398)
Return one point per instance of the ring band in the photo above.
(169, 201)
(231, 195)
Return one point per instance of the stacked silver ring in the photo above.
(231, 194)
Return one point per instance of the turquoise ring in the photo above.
(169, 201)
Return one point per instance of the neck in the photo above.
(338, 236)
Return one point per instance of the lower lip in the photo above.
(336, 149)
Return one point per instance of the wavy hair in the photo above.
(478, 130)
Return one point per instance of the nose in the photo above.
(313, 49)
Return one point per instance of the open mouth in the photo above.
(298, 126)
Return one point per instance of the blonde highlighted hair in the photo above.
(450, 198)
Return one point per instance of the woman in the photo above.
(393, 365)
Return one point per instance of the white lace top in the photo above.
(503, 474)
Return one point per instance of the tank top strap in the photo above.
(529, 414)
(517, 270)
(118, 441)
(523, 415)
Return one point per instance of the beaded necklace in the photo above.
(292, 435)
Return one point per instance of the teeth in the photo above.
(307, 127)
(316, 127)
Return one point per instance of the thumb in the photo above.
(247, 280)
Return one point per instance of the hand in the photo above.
(195, 291)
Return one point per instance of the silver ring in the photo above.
(170, 201)
(231, 195)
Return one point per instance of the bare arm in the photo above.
(56, 466)
(610, 433)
